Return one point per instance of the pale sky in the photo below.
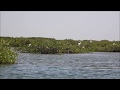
(77, 25)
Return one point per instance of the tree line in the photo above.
(51, 46)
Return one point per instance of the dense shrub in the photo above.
(7, 56)
(52, 46)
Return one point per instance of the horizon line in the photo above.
(55, 38)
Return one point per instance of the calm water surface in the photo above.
(97, 65)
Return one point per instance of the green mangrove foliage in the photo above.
(52, 46)
(7, 56)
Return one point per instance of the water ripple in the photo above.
(66, 66)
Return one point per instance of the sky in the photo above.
(76, 25)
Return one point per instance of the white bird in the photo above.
(90, 41)
(29, 45)
(79, 43)
(114, 44)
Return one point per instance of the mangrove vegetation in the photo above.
(7, 56)
(8, 46)
(53, 46)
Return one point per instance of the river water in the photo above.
(97, 65)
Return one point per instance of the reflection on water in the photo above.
(97, 65)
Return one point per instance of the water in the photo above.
(97, 65)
